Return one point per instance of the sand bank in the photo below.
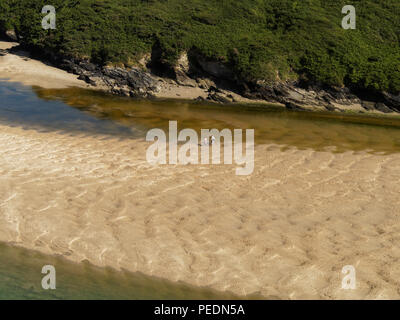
(286, 231)
(19, 67)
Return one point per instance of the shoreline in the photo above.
(29, 71)
(19, 67)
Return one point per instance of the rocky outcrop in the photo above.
(192, 69)
(297, 96)
(392, 101)
(182, 71)
(215, 68)
(132, 82)
(220, 85)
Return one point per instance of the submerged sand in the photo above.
(286, 231)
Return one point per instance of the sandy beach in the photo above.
(21, 68)
(286, 231)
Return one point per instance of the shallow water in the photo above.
(20, 278)
(95, 112)
(76, 111)
(272, 124)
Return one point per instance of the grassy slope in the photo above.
(256, 38)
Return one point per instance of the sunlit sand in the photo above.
(286, 231)
(21, 68)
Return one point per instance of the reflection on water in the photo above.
(95, 112)
(20, 278)
(339, 132)
(21, 106)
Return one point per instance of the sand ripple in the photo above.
(286, 231)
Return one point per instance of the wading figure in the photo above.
(212, 140)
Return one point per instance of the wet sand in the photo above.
(285, 232)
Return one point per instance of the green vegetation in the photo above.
(258, 39)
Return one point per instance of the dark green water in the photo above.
(77, 112)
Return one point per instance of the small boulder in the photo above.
(217, 97)
(382, 108)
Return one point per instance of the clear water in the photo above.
(20, 278)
